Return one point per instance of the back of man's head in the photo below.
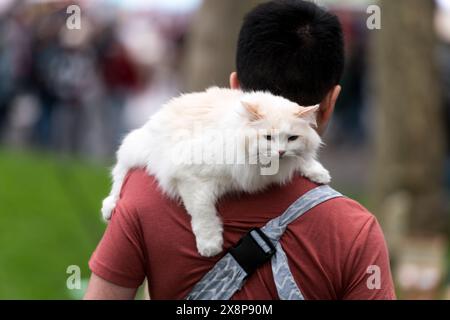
(291, 48)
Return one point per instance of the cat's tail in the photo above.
(133, 153)
(109, 203)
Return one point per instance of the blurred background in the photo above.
(67, 96)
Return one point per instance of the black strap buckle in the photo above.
(254, 249)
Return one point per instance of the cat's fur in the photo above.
(244, 120)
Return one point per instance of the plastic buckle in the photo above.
(253, 250)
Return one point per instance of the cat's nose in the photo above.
(281, 152)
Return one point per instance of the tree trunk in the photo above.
(211, 46)
(410, 149)
(409, 130)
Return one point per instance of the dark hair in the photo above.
(291, 48)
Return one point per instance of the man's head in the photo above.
(294, 49)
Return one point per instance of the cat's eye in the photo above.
(292, 138)
(268, 137)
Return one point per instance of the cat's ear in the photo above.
(252, 110)
(309, 114)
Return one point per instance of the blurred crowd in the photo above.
(78, 91)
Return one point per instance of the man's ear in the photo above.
(326, 109)
(234, 81)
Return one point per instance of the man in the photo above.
(335, 251)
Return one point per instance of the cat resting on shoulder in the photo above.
(200, 146)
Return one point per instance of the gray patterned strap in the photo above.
(284, 280)
(221, 282)
(227, 276)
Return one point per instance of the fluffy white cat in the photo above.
(200, 146)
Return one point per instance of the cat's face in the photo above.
(279, 128)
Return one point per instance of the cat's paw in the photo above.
(210, 246)
(321, 176)
(108, 206)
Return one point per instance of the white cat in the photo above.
(200, 146)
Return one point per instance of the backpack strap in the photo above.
(230, 272)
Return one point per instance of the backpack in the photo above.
(257, 247)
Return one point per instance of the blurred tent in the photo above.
(172, 5)
(5, 5)
(131, 5)
(348, 4)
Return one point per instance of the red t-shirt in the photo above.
(331, 249)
